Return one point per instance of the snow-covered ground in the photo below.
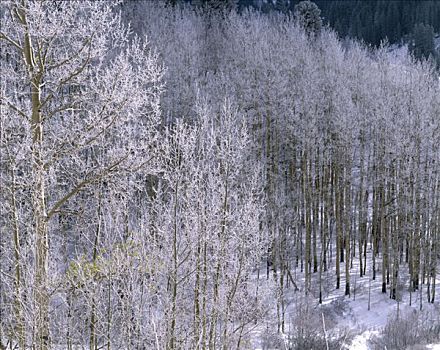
(352, 314)
(370, 322)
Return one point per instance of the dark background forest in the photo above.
(371, 21)
(368, 20)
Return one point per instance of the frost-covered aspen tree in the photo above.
(239, 242)
(204, 234)
(178, 34)
(80, 106)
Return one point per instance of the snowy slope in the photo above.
(351, 312)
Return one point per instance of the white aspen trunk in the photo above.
(40, 218)
(339, 229)
(18, 306)
(347, 212)
(41, 297)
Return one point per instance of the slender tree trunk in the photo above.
(307, 209)
(338, 218)
(93, 340)
(347, 215)
(40, 217)
(222, 238)
(41, 295)
(384, 235)
(204, 295)
(316, 212)
(197, 298)
(436, 236)
(18, 306)
(174, 276)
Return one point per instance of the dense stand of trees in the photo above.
(369, 20)
(176, 207)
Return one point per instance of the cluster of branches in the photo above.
(348, 137)
(135, 216)
(117, 230)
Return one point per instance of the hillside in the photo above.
(188, 176)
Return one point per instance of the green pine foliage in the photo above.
(309, 17)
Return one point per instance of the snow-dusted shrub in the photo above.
(270, 339)
(312, 327)
(408, 328)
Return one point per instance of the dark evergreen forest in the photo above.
(369, 20)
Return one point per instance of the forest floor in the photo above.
(369, 323)
(350, 315)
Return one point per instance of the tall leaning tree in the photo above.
(79, 107)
